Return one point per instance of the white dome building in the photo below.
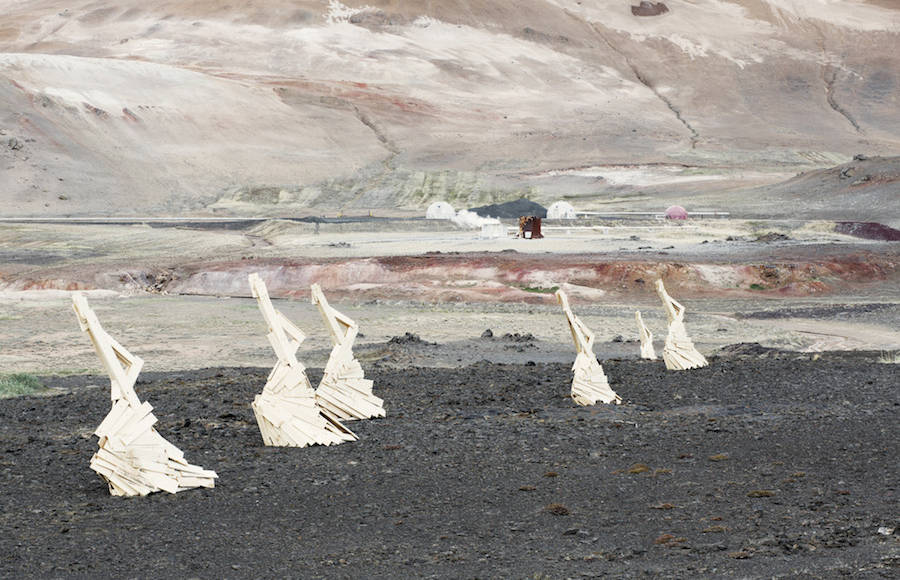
(440, 210)
(561, 210)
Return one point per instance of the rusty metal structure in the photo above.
(529, 227)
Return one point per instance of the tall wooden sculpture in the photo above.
(647, 350)
(589, 384)
(133, 457)
(286, 410)
(344, 391)
(679, 352)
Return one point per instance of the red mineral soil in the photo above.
(489, 277)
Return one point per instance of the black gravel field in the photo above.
(762, 465)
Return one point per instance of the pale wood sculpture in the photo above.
(679, 352)
(344, 391)
(286, 410)
(647, 350)
(589, 384)
(133, 457)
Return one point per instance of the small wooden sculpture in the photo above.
(344, 391)
(679, 352)
(133, 457)
(286, 410)
(589, 384)
(647, 350)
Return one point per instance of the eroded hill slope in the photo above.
(111, 107)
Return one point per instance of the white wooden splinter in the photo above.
(589, 383)
(647, 350)
(286, 410)
(133, 457)
(679, 352)
(344, 391)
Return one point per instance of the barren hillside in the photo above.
(313, 106)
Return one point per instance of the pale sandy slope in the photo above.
(167, 107)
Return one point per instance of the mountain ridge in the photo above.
(129, 108)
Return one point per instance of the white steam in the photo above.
(471, 220)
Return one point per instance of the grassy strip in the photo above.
(540, 290)
(19, 384)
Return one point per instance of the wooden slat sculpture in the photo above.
(647, 350)
(133, 457)
(589, 383)
(679, 352)
(286, 410)
(344, 390)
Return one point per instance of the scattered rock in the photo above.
(409, 338)
(487, 334)
(556, 509)
(772, 237)
(868, 231)
(745, 349)
(761, 493)
(663, 506)
(516, 337)
(14, 144)
(96, 110)
(646, 8)
(719, 457)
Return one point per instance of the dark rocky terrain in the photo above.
(764, 464)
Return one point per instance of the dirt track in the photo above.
(763, 464)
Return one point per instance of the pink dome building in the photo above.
(676, 212)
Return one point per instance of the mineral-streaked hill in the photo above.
(313, 106)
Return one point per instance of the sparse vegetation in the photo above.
(540, 290)
(19, 384)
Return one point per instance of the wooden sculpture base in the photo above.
(287, 411)
(133, 457)
(679, 352)
(589, 383)
(344, 390)
(288, 415)
(647, 351)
